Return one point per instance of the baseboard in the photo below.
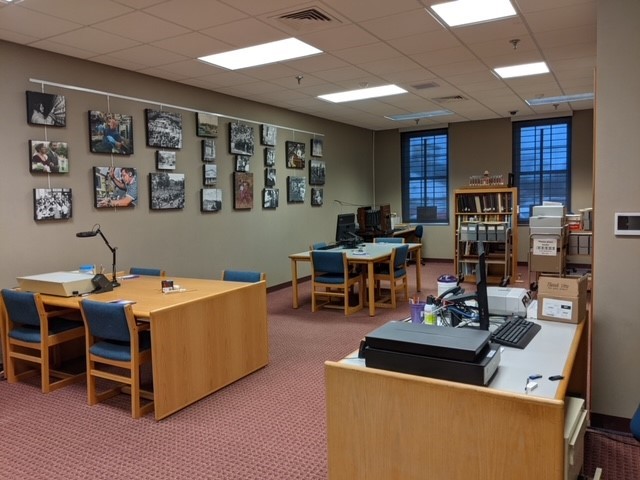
(609, 422)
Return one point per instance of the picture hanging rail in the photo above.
(163, 104)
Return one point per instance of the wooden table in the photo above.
(375, 253)
(202, 339)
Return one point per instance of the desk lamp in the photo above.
(97, 231)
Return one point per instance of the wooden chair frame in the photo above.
(331, 292)
(396, 284)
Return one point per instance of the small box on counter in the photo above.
(562, 299)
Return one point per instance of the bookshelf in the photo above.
(487, 214)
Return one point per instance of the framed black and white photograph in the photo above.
(317, 145)
(242, 190)
(208, 150)
(164, 129)
(115, 187)
(270, 197)
(268, 135)
(295, 154)
(166, 159)
(110, 133)
(209, 174)
(166, 191)
(206, 125)
(46, 109)
(269, 177)
(210, 200)
(269, 157)
(242, 163)
(317, 196)
(317, 172)
(241, 139)
(296, 189)
(52, 204)
(48, 157)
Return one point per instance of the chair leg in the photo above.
(44, 369)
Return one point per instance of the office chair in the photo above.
(318, 246)
(331, 279)
(419, 232)
(31, 334)
(243, 276)
(635, 424)
(388, 240)
(115, 339)
(155, 272)
(394, 272)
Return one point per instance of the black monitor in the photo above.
(346, 227)
(481, 289)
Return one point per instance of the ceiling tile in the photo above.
(195, 14)
(93, 40)
(85, 12)
(141, 27)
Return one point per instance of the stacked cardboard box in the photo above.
(562, 299)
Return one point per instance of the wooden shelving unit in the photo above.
(487, 214)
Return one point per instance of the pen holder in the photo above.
(417, 312)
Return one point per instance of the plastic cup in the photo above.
(417, 312)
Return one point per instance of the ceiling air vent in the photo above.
(450, 99)
(424, 86)
(306, 20)
(309, 14)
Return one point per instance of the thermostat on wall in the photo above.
(627, 224)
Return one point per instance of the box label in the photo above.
(545, 246)
(552, 307)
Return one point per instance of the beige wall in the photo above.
(183, 242)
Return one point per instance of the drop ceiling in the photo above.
(365, 43)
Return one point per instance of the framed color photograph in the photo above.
(48, 157)
(210, 200)
(52, 204)
(209, 174)
(166, 191)
(269, 157)
(270, 197)
(115, 187)
(240, 139)
(208, 150)
(206, 125)
(164, 129)
(46, 109)
(317, 145)
(296, 188)
(317, 197)
(317, 172)
(269, 177)
(295, 154)
(242, 190)
(268, 135)
(110, 133)
(166, 159)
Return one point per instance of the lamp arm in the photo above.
(114, 280)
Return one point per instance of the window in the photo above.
(425, 176)
(542, 163)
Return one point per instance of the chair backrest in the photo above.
(146, 271)
(419, 231)
(634, 426)
(388, 240)
(318, 246)
(323, 261)
(21, 307)
(400, 257)
(107, 321)
(242, 276)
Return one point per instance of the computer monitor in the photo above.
(345, 227)
(481, 289)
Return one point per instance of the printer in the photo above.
(508, 301)
(458, 354)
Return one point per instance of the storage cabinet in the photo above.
(487, 215)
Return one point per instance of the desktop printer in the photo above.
(457, 354)
(508, 301)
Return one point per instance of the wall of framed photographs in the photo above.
(194, 194)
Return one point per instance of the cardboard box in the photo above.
(549, 210)
(562, 299)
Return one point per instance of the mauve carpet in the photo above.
(267, 426)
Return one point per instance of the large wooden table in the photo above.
(375, 253)
(202, 339)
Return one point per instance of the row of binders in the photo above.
(485, 203)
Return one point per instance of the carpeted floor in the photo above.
(267, 426)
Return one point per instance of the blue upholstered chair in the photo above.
(388, 240)
(634, 426)
(395, 273)
(242, 276)
(154, 272)
(418, 233)
(32, 337)
(318, 246)
(115, 339)
(331, 279)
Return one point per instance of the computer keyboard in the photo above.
(515, 332)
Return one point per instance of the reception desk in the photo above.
(202, 339)
(384, 425)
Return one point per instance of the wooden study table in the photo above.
(375, 253)
(202, 339)
(385, 425)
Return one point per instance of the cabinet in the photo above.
(488, 215)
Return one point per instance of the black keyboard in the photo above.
(515, 332)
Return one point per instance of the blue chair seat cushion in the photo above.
(119, 351)
(384, 270)
(29, 333)
(333, 278)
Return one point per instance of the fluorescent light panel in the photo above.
(262, 54)
(363, 93)
(10, 1)
(419, 115)
(561, 99)
(466, 12)
(522, 70)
